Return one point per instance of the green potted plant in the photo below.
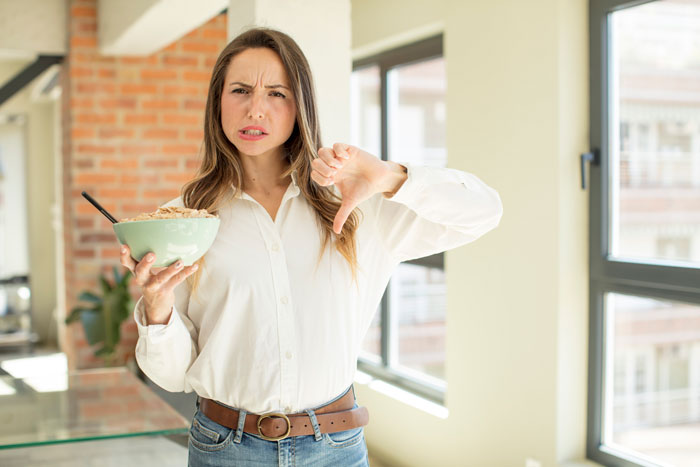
(104, 314)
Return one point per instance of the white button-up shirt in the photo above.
(268, 329)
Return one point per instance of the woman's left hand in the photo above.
(357, 174)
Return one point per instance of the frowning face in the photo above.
(257, 105)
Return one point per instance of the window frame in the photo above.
(664, 280)
(423, 385)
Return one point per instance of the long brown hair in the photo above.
(221, 167)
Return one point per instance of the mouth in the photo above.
(253, 131)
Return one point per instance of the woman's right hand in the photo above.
(157, 285)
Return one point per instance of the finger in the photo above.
(329, 157)
(320, 179)
(156, 282)
(342, 150)
(126, 259)
(323, 168)
(143, 267)
(179, 277)
(341, 216)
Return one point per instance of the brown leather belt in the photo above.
(336, 416)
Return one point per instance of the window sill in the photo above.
(403, 396)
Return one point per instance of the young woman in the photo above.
(268, 328)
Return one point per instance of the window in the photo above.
(398, 113)
(644, 397)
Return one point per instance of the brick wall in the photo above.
(132, 131)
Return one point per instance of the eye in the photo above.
(238, 91)
(278, 94)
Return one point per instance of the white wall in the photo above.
(517, 298)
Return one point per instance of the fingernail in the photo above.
(195, 267)
(150, 257)
(178, 264)
(123, 250)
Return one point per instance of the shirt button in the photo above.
(288, 355)
(275, 247)
(284, 300)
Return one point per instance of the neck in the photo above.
(263, 173)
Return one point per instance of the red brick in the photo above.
(80, 72)
(82, 222)
(160, 163)
(118, 103)
(112, 163)
(141, 179)
(182, 119)
(194, 134)
(116, 132)
(160, 133)
(118, 193)
(81, 103)
(150, 60)
(159, 75)
(106, 73)
(192, 104)
(215, 34)
(178, 179)
(87, 208)
(196, 76)
(178, 60)
(94, 178)
(178, 90)
(201, 47)
(180, 149)
(140, 119)
(78, 253)
(82, 133)
(95, 149)
(138, 149)
(86, 41)
(168, 193)
(96, 118)
(159, 104)
(193, 164)
(83, 12)
(138, 88)
(84, 163)
(93, 88)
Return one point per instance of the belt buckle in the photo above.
(277, 415)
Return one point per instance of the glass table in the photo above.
(60, 406)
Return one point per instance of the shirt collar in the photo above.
(292, 190)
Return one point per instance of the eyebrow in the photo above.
(272, 86)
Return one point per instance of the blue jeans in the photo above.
(214, 445)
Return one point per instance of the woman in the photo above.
(267, 331)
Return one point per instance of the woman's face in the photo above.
(257, 105)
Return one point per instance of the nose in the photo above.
(256, 110)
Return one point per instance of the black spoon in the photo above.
(100, 208)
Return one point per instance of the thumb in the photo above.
(342, 215)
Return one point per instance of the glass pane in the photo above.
(418, 294)
(653, 368)
(365, 110)
(655, 131)
(416, 101)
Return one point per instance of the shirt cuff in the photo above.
(411, 187)
(151, 329)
